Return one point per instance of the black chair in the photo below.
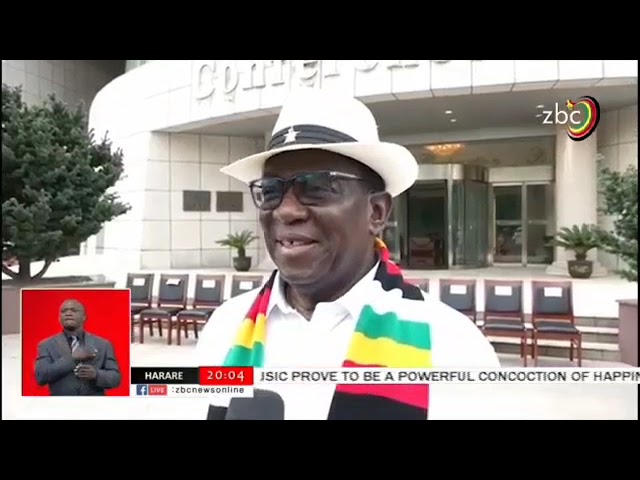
(552, 316)
(172, 298)
(245, 283)
(141, 287)
(460, 295)
(209, 295)
(504, 313)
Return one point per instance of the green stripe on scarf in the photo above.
(240, 356)
(387, 325)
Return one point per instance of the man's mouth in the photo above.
(294, 242)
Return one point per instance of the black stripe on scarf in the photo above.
(390, 280)
(346, 406)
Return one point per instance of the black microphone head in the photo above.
(264, 405)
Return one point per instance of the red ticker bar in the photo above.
(232, 376)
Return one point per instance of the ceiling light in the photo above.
(448, 112)
(453, 120)
(540, 106)
(445, 149)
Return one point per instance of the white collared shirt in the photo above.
(322, 342)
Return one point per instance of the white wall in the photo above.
(618, 144)
(157, 227)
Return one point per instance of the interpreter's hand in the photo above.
(81, 355)
(86, 372)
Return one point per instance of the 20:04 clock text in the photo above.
(226, 376)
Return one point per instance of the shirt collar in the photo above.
(352, 301)
(70, 335)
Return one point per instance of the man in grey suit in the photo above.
(76, 362)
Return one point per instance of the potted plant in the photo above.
(620, 201)
(239, 241)
(580, 239)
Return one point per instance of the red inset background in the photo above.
(108, 316)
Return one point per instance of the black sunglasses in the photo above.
(313, 189)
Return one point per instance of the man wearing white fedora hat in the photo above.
(324, 189)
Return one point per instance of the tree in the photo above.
(56, 182)
(620, 195)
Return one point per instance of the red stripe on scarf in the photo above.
(393, 269)
(414, 395)
(260, 304)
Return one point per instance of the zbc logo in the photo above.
(581, 119)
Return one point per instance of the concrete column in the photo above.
(89, 246)
(576, 193)
(267, 138)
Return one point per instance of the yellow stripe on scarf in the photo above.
(386, 353)
(251, 332)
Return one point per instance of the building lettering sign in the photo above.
(228, 76)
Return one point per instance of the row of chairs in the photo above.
(552, 315)
(172, 305)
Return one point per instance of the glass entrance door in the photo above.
(539, 208)
(523, 215)
(508, 223)
(426, 225)
(469, 235)
(477, 225)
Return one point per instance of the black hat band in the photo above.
(307, 134)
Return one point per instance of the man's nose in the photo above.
(290, 210)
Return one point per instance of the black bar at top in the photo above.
(165, 375)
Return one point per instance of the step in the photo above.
(580, 321)
(592, 334)
(556, 348)
(597, 322)
(599, 334)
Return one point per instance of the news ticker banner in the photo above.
(240, 381)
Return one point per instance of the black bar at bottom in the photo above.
(165, 375)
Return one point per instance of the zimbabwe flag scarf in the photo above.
(385, 337)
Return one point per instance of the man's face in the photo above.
(72, 315)
(317, 243)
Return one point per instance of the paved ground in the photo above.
(503, 401)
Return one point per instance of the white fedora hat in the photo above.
(318, 119)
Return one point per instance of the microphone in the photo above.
(265, 405)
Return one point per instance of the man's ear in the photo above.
(380, 209)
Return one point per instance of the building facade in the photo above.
(498, 171)
(73, 81)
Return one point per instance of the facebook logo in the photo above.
(142, 390)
